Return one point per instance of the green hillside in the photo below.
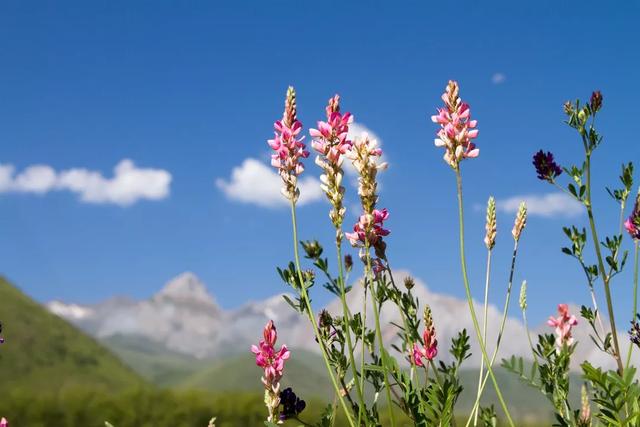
(45, 353)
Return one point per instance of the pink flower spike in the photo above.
(4, 422)
(563, 325)
(456, 127)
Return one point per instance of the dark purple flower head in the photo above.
(596, 101)
(546, 167)
(292, 405)
(634, 333)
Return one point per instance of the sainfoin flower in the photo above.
(429, 349)
(563, 325)
(289, 148)
(369, 229)
(546, 167)
(632, 224)
(331, 143)
(272, 361)
(457, 130)
(4, 422)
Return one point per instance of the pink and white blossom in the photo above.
(563, 325)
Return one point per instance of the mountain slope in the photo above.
(43, 352)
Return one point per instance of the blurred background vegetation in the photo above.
(55, 375)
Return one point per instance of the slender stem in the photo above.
(347, 328)
(484, 328)
(526, 327)
(364, 332)
(383, 354)
(463, 264)
(635, 297)
(503, 323)
(305, 297)
(605, 278)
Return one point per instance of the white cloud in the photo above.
(128, 185)
(256, 183)
(498, 78)
(544, 205)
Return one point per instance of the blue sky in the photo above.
(191, 90)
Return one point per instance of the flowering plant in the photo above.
(379, 382)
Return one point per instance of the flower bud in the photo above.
(491, 227)
(523, 296)
(596, 101)
(521, 221)
(409, 283)
(428, 317)
(348, 262)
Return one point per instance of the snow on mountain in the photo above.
(185, 317)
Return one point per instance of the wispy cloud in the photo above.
(256, 183)
(498, 78)
(544, 205)
(128, 185)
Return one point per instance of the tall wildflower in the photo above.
(288, 147)
(272, 362)
(632, 224)
(563, 325)
(369, 230)
(457, 130)
(330, 141)
(429, 349)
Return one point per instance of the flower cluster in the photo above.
(289, 148)
(292, 405)
(330, 141)
(4, 422)
(632, 224)
(272, 362)
(563, 324)
(456, 127)
(369, 231)
(546, 167)
(429, 349)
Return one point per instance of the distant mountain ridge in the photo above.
(185, 318)
(45, 353)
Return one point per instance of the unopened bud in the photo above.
(348, 262)
(523, 296)
(521, 221)
(491, 226)
(596, 101)
(409, 283)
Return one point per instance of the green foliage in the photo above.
(617, 397)
(43, 352)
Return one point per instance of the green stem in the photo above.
(605, 278)
(503, 323)
(347, 328)
(465, 278)
(635, 297)
(305, 297)
(364, 345)
(376, 314)
(526, 327)
(484, 328)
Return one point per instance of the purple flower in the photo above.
(546, 167)
(292, 405)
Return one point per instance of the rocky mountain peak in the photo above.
(185, 287)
